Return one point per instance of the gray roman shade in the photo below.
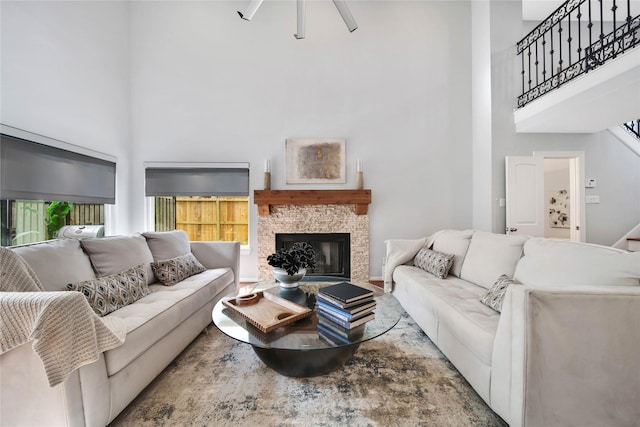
(197, 181)
(32, 171)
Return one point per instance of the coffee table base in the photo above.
(305, 363)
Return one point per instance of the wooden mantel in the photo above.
(267, 198)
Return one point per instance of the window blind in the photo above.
(33, 171)
(217, 181)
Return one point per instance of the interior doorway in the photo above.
(557, 196)
(545, 196)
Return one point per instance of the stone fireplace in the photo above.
(308, 212)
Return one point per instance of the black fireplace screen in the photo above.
(333, 251)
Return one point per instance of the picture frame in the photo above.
(558, 208)
(315, 161)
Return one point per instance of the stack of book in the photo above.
(343, 309)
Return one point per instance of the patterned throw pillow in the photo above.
(436, 263)
(109, 293)
(494, 296)
(174, 270)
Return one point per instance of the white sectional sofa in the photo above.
(158, 326)
(565, 348)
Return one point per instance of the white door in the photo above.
(525, 195)
(574, 201)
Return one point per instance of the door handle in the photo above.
(511, 229)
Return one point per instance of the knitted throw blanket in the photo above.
(67, 334)
(16, 275)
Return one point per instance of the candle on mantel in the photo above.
(359, 178)
(267, 175)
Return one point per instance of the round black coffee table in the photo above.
(298, 349)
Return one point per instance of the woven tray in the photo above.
(267, 311)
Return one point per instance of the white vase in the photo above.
(287, 280)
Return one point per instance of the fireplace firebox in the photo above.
(333, 251)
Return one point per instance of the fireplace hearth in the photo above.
(333, 251)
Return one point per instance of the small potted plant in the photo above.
(290, 265)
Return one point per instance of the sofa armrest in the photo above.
(219, 255)
(399, 251)
(574, 353)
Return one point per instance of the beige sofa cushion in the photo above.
(454, 242)
(57, 263)
(490, 256)
(154, 316)
(566, 263)
(455, 302)
(167, 244)
(111, 255)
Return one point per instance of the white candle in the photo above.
(267, 166)
(358, 166)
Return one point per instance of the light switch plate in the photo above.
(592, 199)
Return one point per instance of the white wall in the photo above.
(481, 115)
(606, 157)
(190, 81)
(208, 86)
(65, 75)
(617, 171)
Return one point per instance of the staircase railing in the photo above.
(633, 127)
(579, 36)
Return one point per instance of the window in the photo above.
(223, 218)
(30, 221)
(208, 201)
(46, 184)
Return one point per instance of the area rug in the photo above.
(398, 379)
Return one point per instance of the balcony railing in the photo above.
(633, 127)
(578, 37)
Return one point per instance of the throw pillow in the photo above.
(111, 255)
(167, 244)
(109, 293)
(495, 295)
(46, 258)
(436, 263)
(174, 270)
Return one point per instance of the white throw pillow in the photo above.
(454, 242)
(491, 255)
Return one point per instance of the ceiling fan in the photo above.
(341, 5)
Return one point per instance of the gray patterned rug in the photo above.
(398, 379)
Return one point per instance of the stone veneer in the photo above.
(315, 219)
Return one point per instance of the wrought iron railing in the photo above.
(578, 37)
(633, 127)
